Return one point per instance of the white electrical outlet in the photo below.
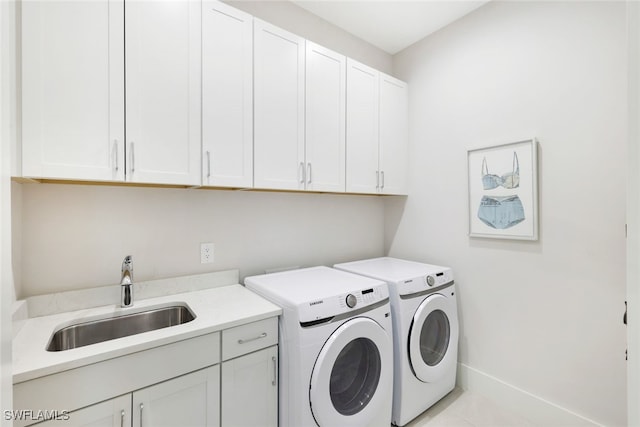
(206, 253)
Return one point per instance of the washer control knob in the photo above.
(431, 280)
(351, 301)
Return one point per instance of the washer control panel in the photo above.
(431, 280)
(363, 298)
(342, 303)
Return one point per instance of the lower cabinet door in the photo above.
(190, 400)
(250, 389)
(115, 412)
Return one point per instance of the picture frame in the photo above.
(503, 191)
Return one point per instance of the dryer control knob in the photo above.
(431, 281)
(351, 300)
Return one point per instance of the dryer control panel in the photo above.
(428, 281)
(343, 303)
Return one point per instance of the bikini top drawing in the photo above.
(508, 180)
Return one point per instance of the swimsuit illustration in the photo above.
(501, 212)
(508, 180)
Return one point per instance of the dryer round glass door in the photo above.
(433, 338)
(352, 375)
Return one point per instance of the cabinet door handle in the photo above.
(301, 173)
(377, 180)
(133, 158)
(141, 408)
(244, 341)
(122, 418)
(208, 164)
(308, 173)
(382, 178)
(115, 154)
(275, 370)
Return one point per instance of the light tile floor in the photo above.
(465, 409)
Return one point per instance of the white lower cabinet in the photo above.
(251, 379)
(178, 384)
(189, 400)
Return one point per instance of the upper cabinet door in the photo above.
(278, 108)
(362, 130)
(73, 89)
(325, 119)
(163, 96)
(394, 138)
(227, 96)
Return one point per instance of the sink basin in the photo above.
(95, 331)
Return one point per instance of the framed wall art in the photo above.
(503, 191)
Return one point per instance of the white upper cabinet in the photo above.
(163, 91)
(196, 92)
(325, 119)
(362, 130)
(227, 96)
(394, 136)
(73, 89)
(278, 108)
(377, 131)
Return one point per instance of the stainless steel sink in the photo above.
(95, 331)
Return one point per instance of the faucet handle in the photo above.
(127, 270)
(127, 264)
(126, 293)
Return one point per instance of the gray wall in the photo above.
(545, 316)
(76, 236)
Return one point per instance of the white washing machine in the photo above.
(425, 331)
(336, 348)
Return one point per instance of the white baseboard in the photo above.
(533, 408)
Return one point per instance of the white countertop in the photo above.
(215, 309)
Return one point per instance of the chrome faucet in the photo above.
(126, 282)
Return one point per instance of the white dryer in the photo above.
(425, 328)
(336, 349)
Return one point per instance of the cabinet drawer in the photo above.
(250, 337)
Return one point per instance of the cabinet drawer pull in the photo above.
(275, 371)
(244, 341)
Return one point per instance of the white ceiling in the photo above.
(391, 25)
